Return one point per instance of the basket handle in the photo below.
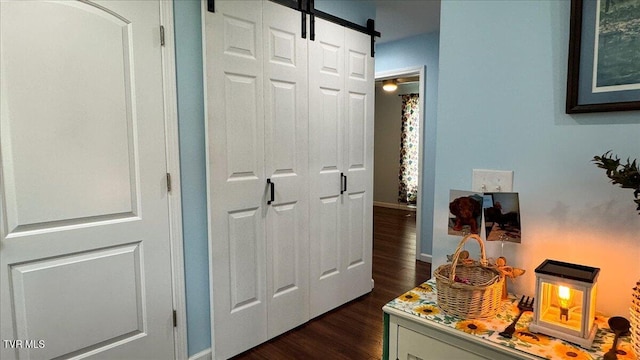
(456, 255)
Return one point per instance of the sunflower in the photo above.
(525, 335)
(409, 297)
(563, 351)
(624, 351)
(473, 327)
(427, 310)
(424, 288)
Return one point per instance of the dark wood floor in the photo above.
(354, 331)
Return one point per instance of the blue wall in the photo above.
(501, 102)
(415, 51)
(354, 11)
(188, 33)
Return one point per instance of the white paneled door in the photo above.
(257, 131)
(357, 238)
(286, 157)
(84, 248)
(341, 75)
(326, 170)
(236, 175)
(289, 138)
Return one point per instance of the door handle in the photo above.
(272, 190)
(343, 183)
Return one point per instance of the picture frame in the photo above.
(596, 53)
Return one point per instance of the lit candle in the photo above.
(564, 295)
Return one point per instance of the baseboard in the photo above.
(394, 206)
(202, 355)
(425, 257)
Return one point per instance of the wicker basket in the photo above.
(480, 294)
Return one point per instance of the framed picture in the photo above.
(604, 56)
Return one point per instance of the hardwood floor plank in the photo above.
(354, 330)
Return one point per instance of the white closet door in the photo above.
(326, 148)
(236, 175)
(85, 266)
(340, 165)
(280, 107)
(357, 212)
(286, 155)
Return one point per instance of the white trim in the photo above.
(173, 168)
(202, 355)
(203, 21)
(425, 257)
(413, 71)
(394, 206)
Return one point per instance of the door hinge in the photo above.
(175, 319)
(161, 35)
(168, 182)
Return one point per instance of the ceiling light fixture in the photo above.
(389, 85)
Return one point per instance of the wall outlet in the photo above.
(492, 180)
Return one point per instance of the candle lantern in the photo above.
(566, 302)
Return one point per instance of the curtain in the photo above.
(409, 145)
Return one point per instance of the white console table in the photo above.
(416, 329)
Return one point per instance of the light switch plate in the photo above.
(492, 180)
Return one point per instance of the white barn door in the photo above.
(340, 166)
(84, 247)
(257, 115)
(236, 175)
(357, 238)
(326, 158)
(286, 161)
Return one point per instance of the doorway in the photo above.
(387, 162)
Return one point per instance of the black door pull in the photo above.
(345, 183)
(272, 190)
